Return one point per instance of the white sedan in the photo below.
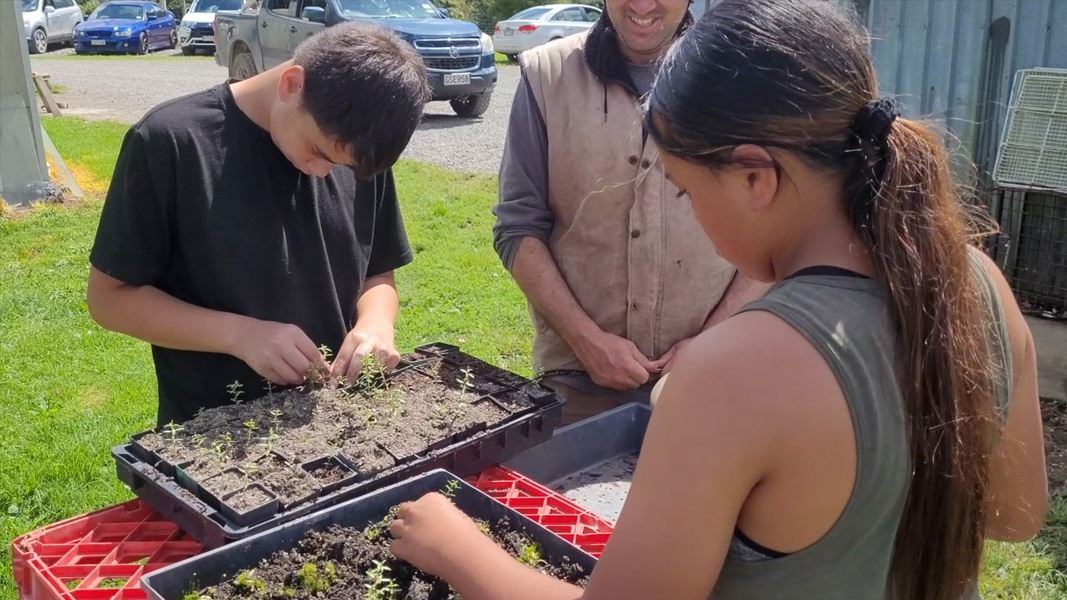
(539, 24)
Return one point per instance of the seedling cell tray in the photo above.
(498, 415)
(216, 566)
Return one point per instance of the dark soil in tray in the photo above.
(377, 423)
(343, 562)
(248, 498)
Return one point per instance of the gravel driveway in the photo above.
(123, 88)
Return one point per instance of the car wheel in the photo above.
(242, 66)
(39, 43)
(142, 48)
(173, 39)
(471, 106)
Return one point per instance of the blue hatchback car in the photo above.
(128, 27)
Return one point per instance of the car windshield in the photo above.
(119, 11)
(29, 5)
(530, 14)
(405, 9)
(210, 6)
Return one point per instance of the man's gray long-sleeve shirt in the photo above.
(523, 209)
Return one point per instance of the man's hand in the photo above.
(666, 362)
(614, 362)
(280, 352)
(366, 338)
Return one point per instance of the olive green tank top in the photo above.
(847, 319)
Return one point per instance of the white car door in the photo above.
(72, 15)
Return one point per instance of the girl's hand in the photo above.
(432, 534)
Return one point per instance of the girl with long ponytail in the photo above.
(860, 431)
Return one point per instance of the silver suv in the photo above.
(49, 22)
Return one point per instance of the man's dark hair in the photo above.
(366, 88)
(603, 56)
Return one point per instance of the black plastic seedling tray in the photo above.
(213, 567)
(206, 516)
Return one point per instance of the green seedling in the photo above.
(467, 381)
(73, 584)
(270, 386)
(317, 581)
(247, 582)
(235, 391)
(380, 586)
(376, 530)
(530, 555)
(484, 527)
(276, 418)
(194, 595)
(198, 440)
(173, 429)
(251, 428)
(142, 562)
(450, 489)
(272, 437)
(112, 583)
(372, 375)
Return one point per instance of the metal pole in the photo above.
(23, 171)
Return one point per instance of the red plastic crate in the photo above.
(130, 540)
(547, 507)
(121, 542)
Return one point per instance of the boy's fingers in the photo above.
(308, 349)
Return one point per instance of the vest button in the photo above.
(635, 233)
(633, 307)
(645, 164)
(633, 160)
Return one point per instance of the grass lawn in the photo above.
(70, 391)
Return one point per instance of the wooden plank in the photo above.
(46, 95)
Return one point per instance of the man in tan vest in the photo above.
(617, 272)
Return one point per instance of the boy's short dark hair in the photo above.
(366, 88)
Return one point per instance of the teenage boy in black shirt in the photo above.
(249, 224)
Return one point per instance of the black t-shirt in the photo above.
(205, 207)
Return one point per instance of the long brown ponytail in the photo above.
(796, 74)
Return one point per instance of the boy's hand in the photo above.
(281, 352)
(365, 338)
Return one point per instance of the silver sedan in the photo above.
(540, 24)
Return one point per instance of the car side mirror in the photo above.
(49, 10)
(315, 14)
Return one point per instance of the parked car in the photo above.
(540, 24)
(128, 27)
(49, 22)
(459, 58)
(197, 31)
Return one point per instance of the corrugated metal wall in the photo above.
(954, 60)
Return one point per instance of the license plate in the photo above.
(508, 31)
(98, 42)
(458, 79)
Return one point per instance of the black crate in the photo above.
(198, 512)
(211, 568)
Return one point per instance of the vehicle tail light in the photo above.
(496, 29)
(528, 28)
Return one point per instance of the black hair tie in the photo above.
(871, 135)
(874, 121)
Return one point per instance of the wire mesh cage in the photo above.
(1032, 249)
(1033, 151)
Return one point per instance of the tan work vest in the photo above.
(628, 247)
